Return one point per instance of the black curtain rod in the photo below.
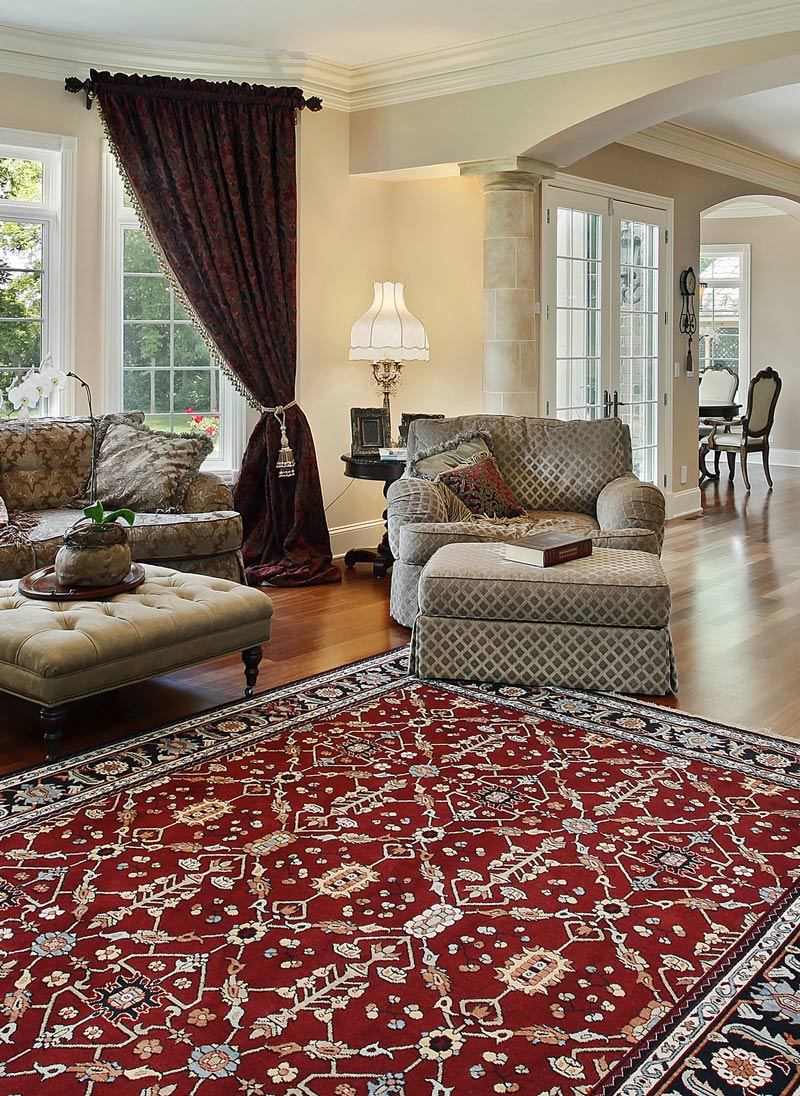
(74, 84)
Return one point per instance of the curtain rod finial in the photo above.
(74, 84)
(314, 103)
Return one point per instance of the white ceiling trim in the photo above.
(739, 208)
(649, 30)
(692, 147)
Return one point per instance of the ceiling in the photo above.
(766, 121)
(350, 32)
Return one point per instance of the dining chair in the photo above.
(750, 433)
(718, 385)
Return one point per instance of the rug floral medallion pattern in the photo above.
(368, 885)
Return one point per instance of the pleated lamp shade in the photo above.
(388, 331)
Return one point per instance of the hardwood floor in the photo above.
(735, 575)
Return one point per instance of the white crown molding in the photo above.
(692, 147)
(739, 208)
(648, 30)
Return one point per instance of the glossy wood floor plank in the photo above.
(735, 576)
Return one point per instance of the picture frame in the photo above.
(370, 430)
(408, 417)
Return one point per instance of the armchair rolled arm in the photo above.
(412, 500)
(207, 493)
(627, 503)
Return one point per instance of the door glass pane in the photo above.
(638, 346)
(578, 305)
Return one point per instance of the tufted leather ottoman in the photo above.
(53, 652)
(596, 623)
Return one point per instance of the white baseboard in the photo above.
(785, 458)
(684, 504)
(361, 534)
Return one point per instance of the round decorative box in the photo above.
(93, 555)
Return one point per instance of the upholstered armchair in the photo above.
(576, 477)
(749, 434)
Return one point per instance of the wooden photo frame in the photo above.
(369, 427)
(408, 417)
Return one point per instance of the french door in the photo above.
(605, 317)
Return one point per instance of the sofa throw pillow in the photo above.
(147, 470)
(482, 489)
(460, 450)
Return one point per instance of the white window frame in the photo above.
(611, 193)
(117, 217)
(714, 251)
(56, 211)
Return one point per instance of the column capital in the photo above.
(509, 172)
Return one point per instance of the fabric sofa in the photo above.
(572, 476)
(44, 474)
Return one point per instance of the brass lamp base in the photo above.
(388, 377)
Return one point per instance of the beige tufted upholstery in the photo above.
(54, 652)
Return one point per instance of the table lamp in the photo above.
(388, 335)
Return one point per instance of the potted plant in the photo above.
(95, 554)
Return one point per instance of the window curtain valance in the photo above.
(211, 170)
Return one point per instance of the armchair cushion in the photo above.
(419, 540)
(462, 449)
(482, 489)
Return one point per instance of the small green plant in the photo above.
(97, 515)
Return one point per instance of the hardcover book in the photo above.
(548, 549)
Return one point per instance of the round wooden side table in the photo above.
(386, 472)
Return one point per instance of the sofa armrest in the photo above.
(626, 503)
(629, 540)
(412, 500)
(207, 493)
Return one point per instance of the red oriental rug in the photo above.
(367, 885)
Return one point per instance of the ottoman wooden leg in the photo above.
(51, 720)
(251, 658)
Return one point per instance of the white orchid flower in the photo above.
(24, 396)
(52, 379)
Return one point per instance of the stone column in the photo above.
(510, 271)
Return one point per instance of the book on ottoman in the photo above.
(548, 549)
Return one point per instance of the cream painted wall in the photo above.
(774, 308)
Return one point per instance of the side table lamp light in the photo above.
(388, 335)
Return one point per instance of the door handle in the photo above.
(606, 404)
(617, 404)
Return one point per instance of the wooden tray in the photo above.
(42, 585)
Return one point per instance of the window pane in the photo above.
(145, 344)
(138, 257)
(189, 347)
(21, 180)
(20, 345)
(20, 246)
(20, 293)
(145, 297)
(192, 388)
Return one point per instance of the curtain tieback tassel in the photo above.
(285, 463)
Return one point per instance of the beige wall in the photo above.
(774, 309)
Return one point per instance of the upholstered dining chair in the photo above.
(718, 385)
(750, 433)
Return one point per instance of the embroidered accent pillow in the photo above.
(482, 489)
(147, 470)
(462, 449)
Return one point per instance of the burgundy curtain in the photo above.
(212, 167)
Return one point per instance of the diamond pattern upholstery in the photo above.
(477, 582)
(596, 623)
